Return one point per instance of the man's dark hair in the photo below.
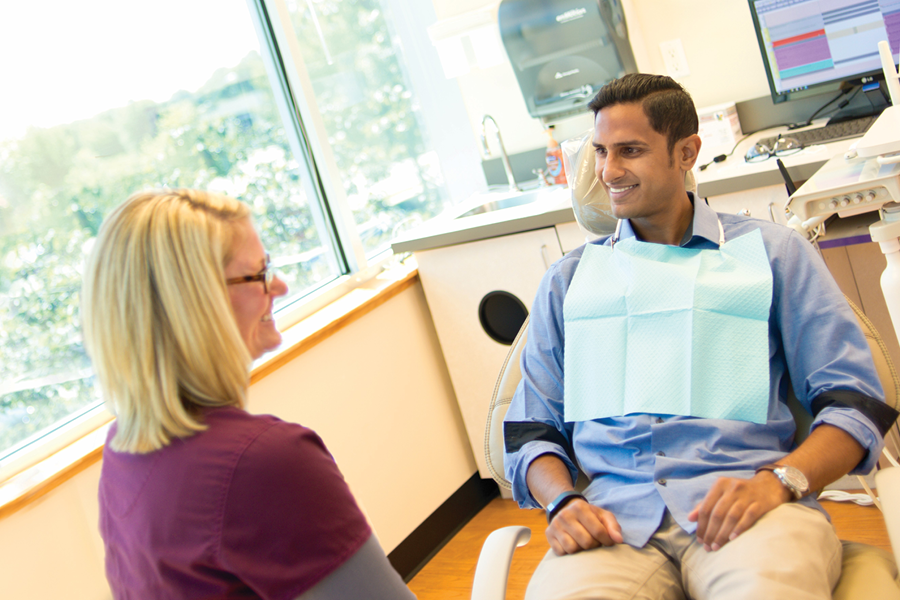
(668, 106)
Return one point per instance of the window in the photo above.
(368, 109)
(304, 109)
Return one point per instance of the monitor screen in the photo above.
(814, 45)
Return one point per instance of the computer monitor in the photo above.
(813, 46)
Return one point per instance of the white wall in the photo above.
(377, 392)
(52, 547)
(719, 45)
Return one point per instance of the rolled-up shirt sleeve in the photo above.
(534, 424)
(827, 354)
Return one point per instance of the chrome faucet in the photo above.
(513, 187)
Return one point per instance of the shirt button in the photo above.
(659, 420)
(660, 453)
(661, 481)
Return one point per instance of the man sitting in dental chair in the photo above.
(658, 362)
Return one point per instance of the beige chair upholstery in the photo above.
(889, 379)
(507, 381)
(867, 571)
(886, 373)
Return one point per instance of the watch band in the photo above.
(560, 501)
(770, 467)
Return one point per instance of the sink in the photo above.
(492, 201)
(490, 214)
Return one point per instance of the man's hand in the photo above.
(732, 506)
(578, 525)
(581, 526)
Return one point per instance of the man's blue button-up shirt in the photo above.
(639, 465)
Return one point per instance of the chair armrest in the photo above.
(887, 483)
(492, 570)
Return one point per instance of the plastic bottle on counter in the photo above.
(555, 171)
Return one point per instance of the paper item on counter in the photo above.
(720, 130)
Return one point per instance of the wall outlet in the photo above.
(673, 56)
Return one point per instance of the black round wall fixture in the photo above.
(501, 315)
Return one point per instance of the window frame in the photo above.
(297, 101)
(440, 102)
(456, 146)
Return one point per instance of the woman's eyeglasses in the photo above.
(783, 146)
(265, 276)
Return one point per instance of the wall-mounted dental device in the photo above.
(883, 138)
(866, 179)
(846, 187)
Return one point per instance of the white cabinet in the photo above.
(456, 279)
(572, 236)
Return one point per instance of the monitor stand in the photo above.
(876, 94)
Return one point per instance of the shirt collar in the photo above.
(704, 225)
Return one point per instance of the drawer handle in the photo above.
(545, 256)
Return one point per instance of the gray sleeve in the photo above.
(367, 575)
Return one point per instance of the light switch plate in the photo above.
(674, 58)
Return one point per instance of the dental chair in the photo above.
(867, 571)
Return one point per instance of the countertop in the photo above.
(736, 175)
(554, 205)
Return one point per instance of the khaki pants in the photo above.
(792, 552)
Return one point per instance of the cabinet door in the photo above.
(571, 236)
(455, 280)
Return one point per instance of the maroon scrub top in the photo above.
(253, 507)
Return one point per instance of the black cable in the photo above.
(850, 99)
(846, 88)
(722, 157)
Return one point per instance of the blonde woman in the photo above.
(198, 498)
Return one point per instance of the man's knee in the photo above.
(792, 551)
(611, 573)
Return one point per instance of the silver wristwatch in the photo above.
(790, 477)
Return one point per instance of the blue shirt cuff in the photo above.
(520, 462)
(860, 429)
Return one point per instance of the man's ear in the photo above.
(686, 152)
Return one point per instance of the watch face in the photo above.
(793, 478)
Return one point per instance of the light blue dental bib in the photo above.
(658, 329)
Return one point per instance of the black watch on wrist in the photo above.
(560, 501)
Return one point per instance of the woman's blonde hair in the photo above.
(157, 320)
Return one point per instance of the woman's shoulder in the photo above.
(259, 443)
(287, 472)
(281, 447)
